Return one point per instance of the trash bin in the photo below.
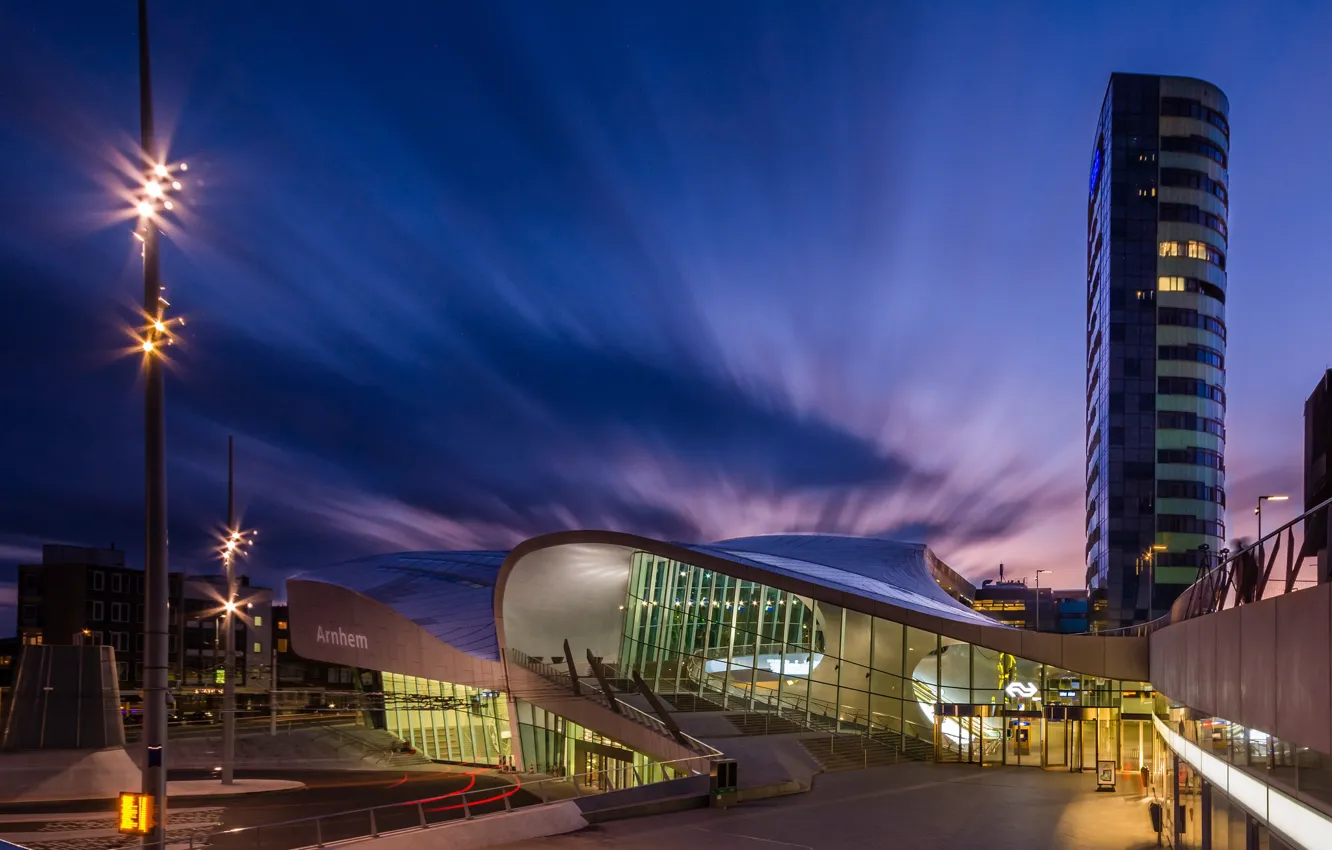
(724, 783)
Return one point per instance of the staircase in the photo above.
(763, 723)
(692, 702)
(552, 686)
(856, 752)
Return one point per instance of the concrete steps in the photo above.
(856, 752)
(763, 723)
(691, 702)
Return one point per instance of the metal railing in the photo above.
(287, 722)
(561, 677)
(1238, 577)
(465, 804)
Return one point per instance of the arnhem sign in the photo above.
(338, 637)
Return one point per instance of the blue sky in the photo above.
(455, 274)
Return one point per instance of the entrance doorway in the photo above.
(1077, 737)
(1024, 739)
(603, 767)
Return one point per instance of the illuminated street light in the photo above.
(234, 544)
(1259, 511)
(1038, 598)
(157, 606)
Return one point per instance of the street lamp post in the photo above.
(1150, 554)
(228, 630)
(1259, 511)
(1038, 598)
(156, 612)
(232, 548)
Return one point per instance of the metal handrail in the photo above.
(548, 671)
(694, 766)
(1218, 582)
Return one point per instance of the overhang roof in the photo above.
(883, 570)
(449, 594)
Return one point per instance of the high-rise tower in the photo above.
(1156, 341)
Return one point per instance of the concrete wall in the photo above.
(487, 831)
(1267, 665)
(360, 632)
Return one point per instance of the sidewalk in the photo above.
(97, 830)
(175, 788)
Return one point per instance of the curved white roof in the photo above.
(451, 595)
(883, 570)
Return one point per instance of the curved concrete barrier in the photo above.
(484, 831)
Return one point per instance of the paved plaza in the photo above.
(922, 806)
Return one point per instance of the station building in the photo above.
(480, 653)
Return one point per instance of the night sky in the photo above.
(460, 273)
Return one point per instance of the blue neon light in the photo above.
(1096, 171)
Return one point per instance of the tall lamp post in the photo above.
(1259, 511)
(156, 612)
(232, 547)
(1150, 556)
(1038, 598)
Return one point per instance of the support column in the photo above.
(1206, 815)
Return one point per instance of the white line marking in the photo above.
(752, 838)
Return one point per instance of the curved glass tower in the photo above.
(1157, 240)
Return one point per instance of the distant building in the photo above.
(9, 657)
(1014, 603)
(198, 671)
(304, 681)
(1156, 244)
(82, 595)
(1317, 481)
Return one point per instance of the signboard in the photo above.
(220, 676)
(1105, 774)
(1021, 690)
(135, 813)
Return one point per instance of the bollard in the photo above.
(319, 834)
(374, 829)
(420, 814)
(467, 810)
(507, 806)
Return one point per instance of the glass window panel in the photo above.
(955, 670)
(921, 664)
(887, 649)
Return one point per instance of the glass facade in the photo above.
(1207, 814)
(458, 723)
(1238, 777)
(448, 722)
(746, 646)
(556, 746)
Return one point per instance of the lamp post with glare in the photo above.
(1038, 598)
(1259, 511)
(1150, 555)
(156, 591)
(233, 546)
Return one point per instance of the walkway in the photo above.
(925, 806)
